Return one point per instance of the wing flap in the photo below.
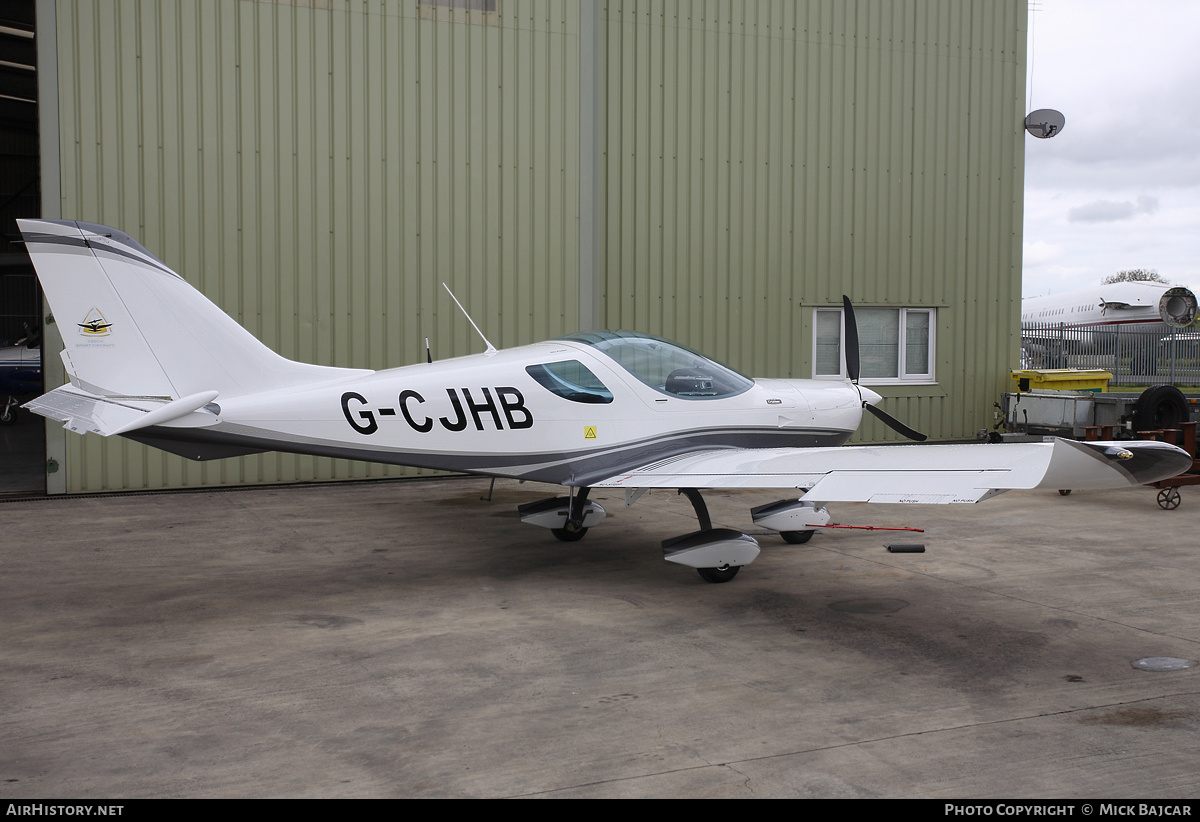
(924, 474)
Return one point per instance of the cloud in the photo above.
(1119, 188)
(1107, 211)
(1041, 253)
(1147, 205)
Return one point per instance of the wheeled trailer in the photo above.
(1161, 412)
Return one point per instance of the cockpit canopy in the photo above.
(665, 366)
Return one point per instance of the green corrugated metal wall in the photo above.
(318, 168)
(766, 157)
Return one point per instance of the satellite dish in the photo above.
(1045, 123)
(1177, 307)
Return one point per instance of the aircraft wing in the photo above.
(928, 474)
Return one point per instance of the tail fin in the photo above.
(134, 328)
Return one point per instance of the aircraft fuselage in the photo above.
(487, 414)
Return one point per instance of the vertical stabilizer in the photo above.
(133, 327)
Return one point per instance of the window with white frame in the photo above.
(480, 12)
(896, 345)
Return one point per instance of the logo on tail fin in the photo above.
(94, 325)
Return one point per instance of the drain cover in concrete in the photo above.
(1162, 663)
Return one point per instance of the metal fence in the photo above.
(1143, 354)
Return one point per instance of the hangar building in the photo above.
(717, 172)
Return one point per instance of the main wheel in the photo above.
(718, 574)
(565, 535)
(797, 537)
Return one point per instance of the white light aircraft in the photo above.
(152, 359)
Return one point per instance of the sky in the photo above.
(1119, 187)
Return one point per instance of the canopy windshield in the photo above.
(666, 366)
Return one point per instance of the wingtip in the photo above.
(1141, 462)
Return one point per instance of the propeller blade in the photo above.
(895, 424)
(852, 371)
(851, 340)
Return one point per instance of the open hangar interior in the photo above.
(716, 173)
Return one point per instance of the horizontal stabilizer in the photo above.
(82, 412)
(927, 474)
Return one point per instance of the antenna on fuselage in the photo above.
(491, 349)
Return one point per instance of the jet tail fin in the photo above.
(133, 328)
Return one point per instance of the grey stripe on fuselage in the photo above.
(576, 468)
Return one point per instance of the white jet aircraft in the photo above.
(1092, 313)
(150, 358)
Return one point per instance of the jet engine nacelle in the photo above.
(1177, 306)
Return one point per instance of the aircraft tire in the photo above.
(1159, 407)
(1168, 499)
(718, 574)
(563, 535)
(797, 537)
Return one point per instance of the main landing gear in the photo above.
(568, 518)
(717, 554)
(573, 530)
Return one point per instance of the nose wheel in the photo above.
(796, 537)
(718, 574)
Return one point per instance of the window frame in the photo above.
(623, 347)
(903, 376)
(550, 377)
(479, 12)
